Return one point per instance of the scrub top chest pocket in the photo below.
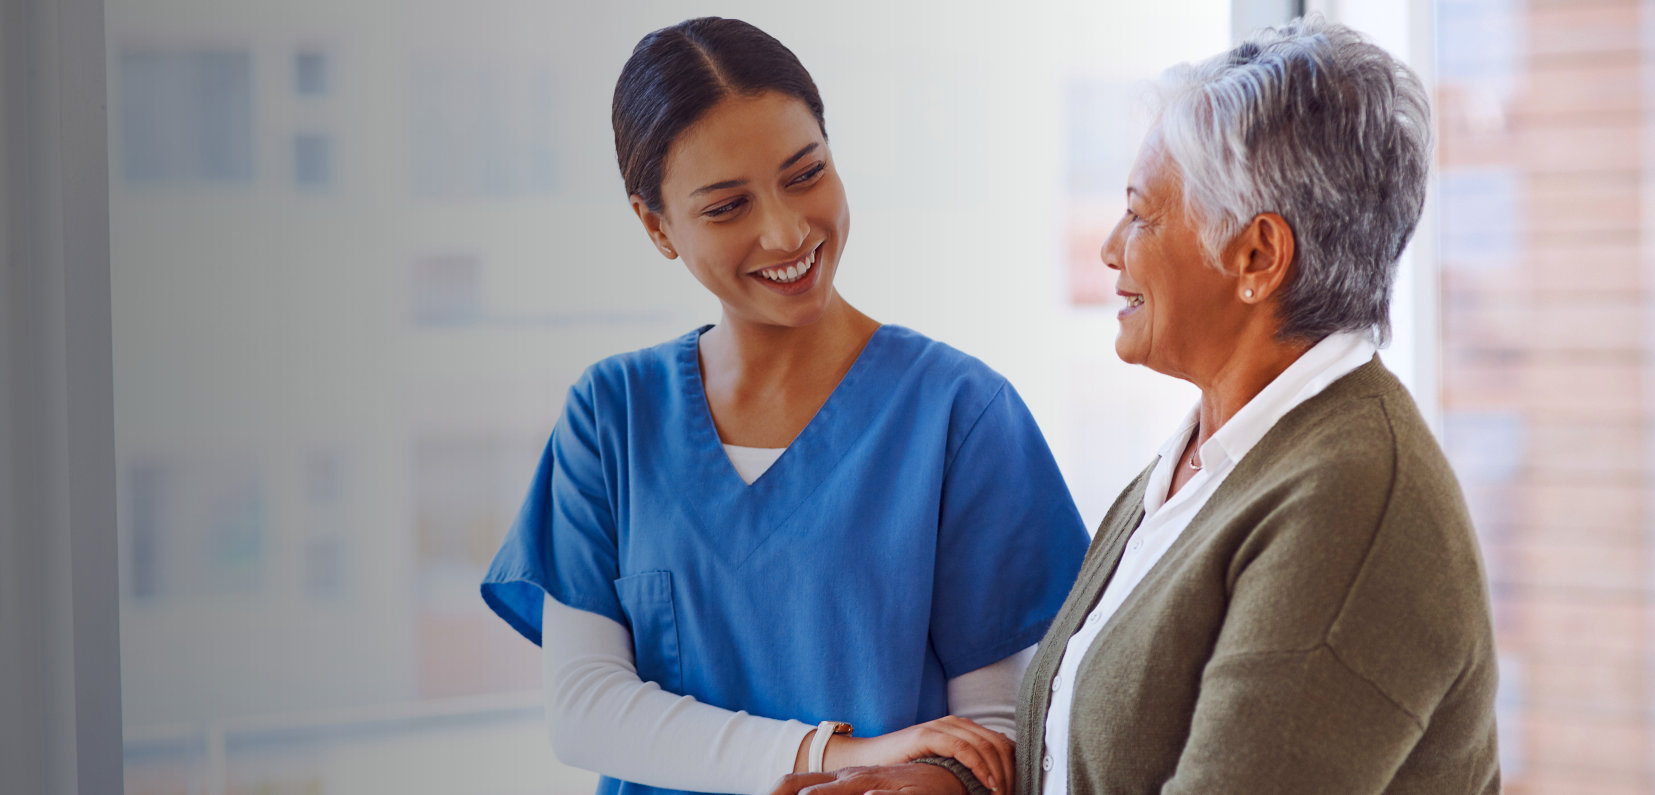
(646, 598)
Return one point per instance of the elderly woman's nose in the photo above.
(783, 229)
(1111, 251)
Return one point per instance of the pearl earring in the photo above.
(1247, 293)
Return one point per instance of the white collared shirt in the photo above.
(1164, 520)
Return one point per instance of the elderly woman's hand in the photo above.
(909, 779)
(988, 754)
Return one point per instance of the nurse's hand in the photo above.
(987, 753)
(912, 779)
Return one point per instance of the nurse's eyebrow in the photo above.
(736, 183)
(810, 147)
(729, 183)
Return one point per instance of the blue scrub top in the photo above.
(917, 529)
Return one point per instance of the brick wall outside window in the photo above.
(1548, 387)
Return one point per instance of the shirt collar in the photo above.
(1171, 452)
(1327, 361)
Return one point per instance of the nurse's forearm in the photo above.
(603, 718)
(988, 695)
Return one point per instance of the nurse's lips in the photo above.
(1133, 302)
(792, 277)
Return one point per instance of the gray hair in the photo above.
(1310, 121)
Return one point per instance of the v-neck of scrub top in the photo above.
(752, 462)
(807, 444)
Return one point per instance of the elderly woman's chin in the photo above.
(1132, 343)
(1129, 350)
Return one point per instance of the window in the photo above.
(197, 528)
(1544, 155)
(445, 290)
(483, 128)
(186, 117)
(312, 160)
(310, 73)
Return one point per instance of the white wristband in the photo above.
(818, 744)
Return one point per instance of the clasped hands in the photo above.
(882, 764)
(907, 779)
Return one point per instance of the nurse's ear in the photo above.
(654, 226)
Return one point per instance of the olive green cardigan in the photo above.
(1321, 626)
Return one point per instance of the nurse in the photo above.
(797, 539)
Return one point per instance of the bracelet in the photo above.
(961, 773)
(818, 744)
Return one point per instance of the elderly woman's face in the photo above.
(1177, 303)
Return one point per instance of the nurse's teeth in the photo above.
(791, 273)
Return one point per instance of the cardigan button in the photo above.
(1046, 763)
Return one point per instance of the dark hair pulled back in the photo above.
(677, 73)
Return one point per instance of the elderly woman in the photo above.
(1289, 598)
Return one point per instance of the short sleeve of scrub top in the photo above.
(916, 529)
(566, 525)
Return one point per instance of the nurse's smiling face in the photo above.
(752, 204)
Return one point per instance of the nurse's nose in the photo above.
(783, 229)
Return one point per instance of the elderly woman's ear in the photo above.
(1261, 257)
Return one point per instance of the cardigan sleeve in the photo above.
(1281, 707)
(1292, 722)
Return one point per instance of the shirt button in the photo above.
(1046, 763)
(1137, 543)
(1094, 618)
(1057, 683)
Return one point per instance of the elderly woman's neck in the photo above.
(1242, 375)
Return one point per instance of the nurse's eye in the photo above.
(812, 173)
(725, 208)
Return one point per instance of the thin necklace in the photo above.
(1195, 450)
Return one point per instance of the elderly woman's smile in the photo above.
(1164, 273)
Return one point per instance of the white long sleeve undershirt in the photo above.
(603, 718)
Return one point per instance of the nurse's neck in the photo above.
(765, 381)
(770, 351)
